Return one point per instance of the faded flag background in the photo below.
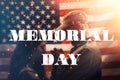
(48, 14)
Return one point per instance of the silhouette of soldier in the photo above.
(89, 63)
(26, 62)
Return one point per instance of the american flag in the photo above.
(98, 14)
(27, 14)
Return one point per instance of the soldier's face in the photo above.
(80, 25)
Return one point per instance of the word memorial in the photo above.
(59, 35)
